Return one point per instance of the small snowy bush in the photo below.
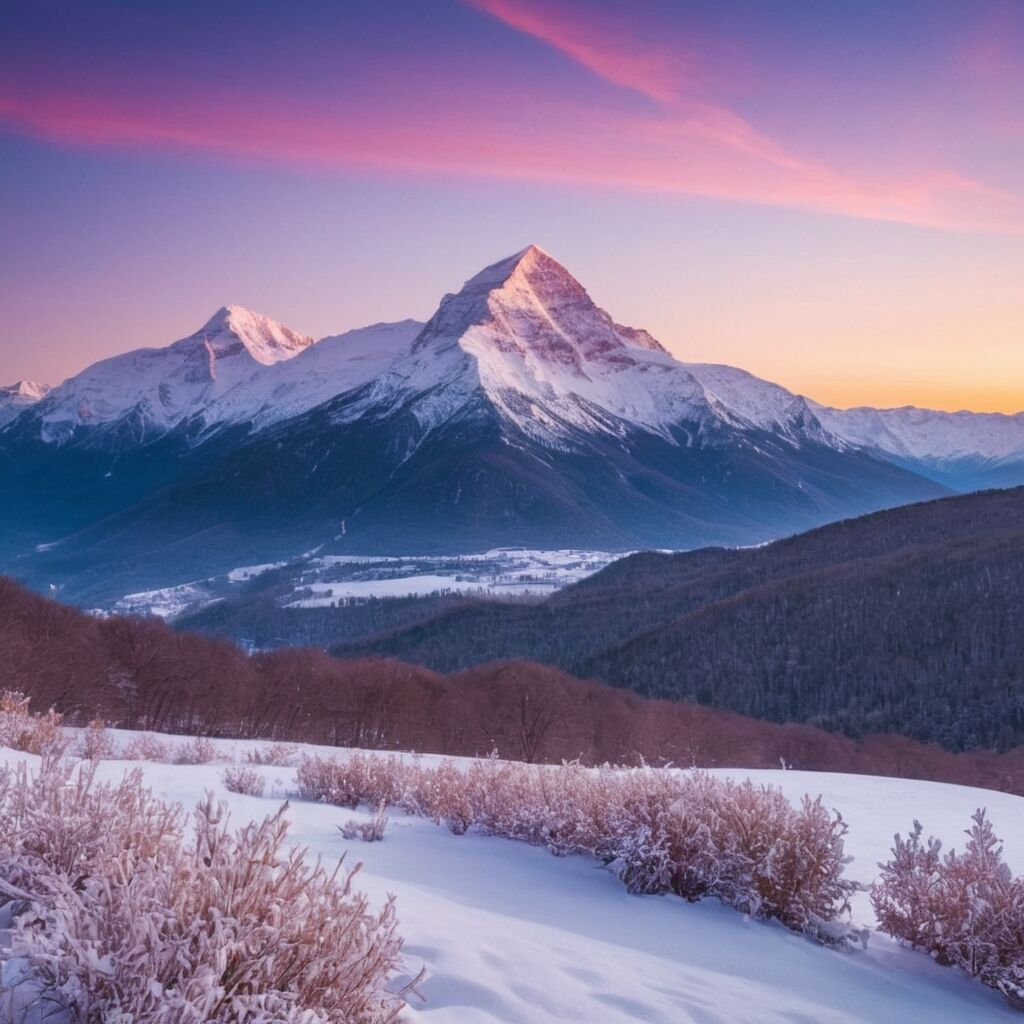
(659, 830)
(360, 778)
(117, 916)
(244, 781)
(198, 750)
(966, 910)
(20, 729)
(94, 742)
(280, 755)
(146, 747)
(371, 831)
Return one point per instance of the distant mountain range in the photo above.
(520, 413)
(902, 621)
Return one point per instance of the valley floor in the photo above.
(509, 933)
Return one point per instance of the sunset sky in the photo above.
(828, 195)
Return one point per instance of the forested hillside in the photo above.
(903, 621)
(141, 674)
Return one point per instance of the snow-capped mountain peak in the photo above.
(334, 365)
(526, 335)
(30, 390)
(151, 390)
(16, 398)
(531, 305)
(266, 340)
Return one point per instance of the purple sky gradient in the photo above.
(831, 196)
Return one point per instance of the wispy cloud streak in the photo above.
(937, 198)
(659, 128)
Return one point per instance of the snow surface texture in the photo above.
(509, 933)
(522, 336)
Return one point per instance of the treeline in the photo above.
(139, 673)
(905, 621)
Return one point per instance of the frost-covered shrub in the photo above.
(659, 830)
(359, 778)
(243, 780)
(146, 747)
(117, 915)
(371, 831)
(94, 742)
(21, 729)
(58, 824)
(198, 750)
(280, 755)
(966, 910)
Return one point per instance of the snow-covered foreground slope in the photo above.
(509, 933)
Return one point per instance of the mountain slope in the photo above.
(333, 365)
(903, 620)
(130, 426)
(521, 413)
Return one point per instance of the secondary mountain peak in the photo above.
(145, 392)
(28, 389)
(266, 340)
(15, 398)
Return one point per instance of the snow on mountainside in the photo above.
(15, 398)
(747, 399)
(156, 388)
(925, 434)
(525, 335)
(335, 364)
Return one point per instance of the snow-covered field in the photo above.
(502, 571)
(510, 933)
(320, 580)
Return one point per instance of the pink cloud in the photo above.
(682, 143)
(655, 71)
(936, 197)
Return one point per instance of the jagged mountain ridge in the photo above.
(521, 413)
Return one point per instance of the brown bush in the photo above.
(94, 743)
(280, 755)
(371, 831)
(146, 747)
(198, 750)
